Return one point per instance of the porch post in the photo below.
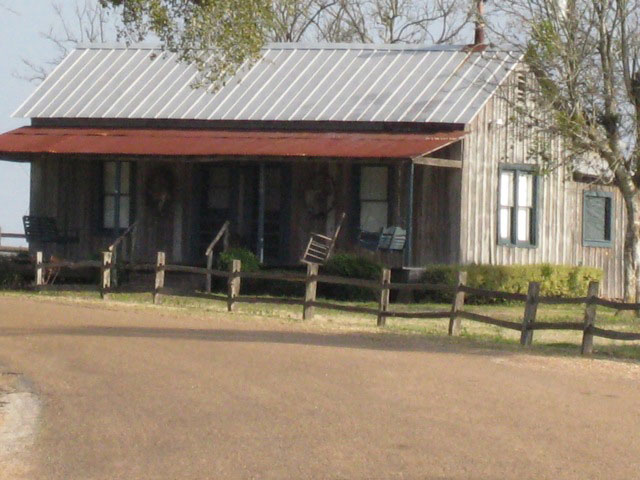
(261, 199)
(408, 247)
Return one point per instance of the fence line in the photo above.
(383, 287)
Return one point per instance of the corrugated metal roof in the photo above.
(290, 82)
(161, 142)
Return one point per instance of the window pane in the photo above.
(595, 219)
(109, 177)
(373, 216)
(109, 211)
(125, 177)
(374, 182)
(505, 223)
(506, 189)
(524, 225)
(525, 190)
(125, 203)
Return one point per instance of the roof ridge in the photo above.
(410, 47)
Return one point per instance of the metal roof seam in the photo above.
(299, 89)
(351, 78)
(107, 84)
(158, 73)
(387, 83)
(292, 86)
(206, 91)
(83, 81)
(371, 87)
(253, 69)
(52, 86)
(442, 89)
(493, 75)
(319, 84)
(153, 62)
(273, 89)
(424, 89)
(40, 87)
(155, 89)
(86, 94)
(460, 95)
(115, 88)
(327, 90)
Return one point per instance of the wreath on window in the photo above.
(319, 197)
(160, 189)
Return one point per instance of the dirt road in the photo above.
(154, 394)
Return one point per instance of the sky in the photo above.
(19, 38)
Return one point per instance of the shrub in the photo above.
(250, 262)
(10, 277)
(555, 280)
(350, 266)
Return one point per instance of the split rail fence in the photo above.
(383, 287)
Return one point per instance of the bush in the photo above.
(250, 262)
(350, 266)
(10, 277)
(555, 280)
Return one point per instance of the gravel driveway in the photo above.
(154, 393)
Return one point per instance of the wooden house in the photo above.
(425, 138)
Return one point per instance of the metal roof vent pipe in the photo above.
(479, 35)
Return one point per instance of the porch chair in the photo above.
(320, 247)
(392, 238)
(44, 229)
(387, 239)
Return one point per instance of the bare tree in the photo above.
(398, 21)
(84, 22)
(585, 57)
(5, 7)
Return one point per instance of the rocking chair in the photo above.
(320, 247)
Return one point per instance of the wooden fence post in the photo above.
(589, 318)
(530, 311)
(233, 284)
(457, 304)
(311, 287)
(384, 297)
(39, 269)
(105, 275)
(209, 267)
(160, 264)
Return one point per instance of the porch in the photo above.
(274, 188)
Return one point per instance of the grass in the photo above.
(550, 342)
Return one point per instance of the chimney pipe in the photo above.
(479, 36)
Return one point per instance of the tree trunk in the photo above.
(632, 248)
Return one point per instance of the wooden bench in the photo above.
(45, 230)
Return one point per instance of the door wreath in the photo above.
(160, 189)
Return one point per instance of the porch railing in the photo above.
(11, 249)
(118, 248)
(223, 234)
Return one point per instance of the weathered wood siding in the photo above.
(559, 209)
(69, 190)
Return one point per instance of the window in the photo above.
(597, 216)
(116, 205)
(517, 206)
(374, 198)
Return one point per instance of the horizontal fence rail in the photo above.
(382, 288)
